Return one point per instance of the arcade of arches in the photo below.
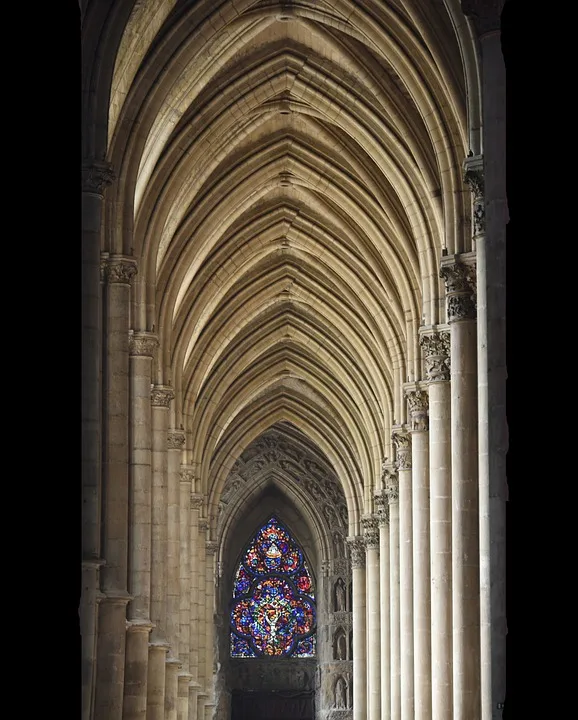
(293, 277)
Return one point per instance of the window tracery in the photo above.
(273, 611)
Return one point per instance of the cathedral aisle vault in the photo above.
(293, 360)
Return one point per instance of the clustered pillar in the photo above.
(96, 177)
(402, 441)
(357, 550)
(459, 274)
(382, 512)
(111, 645)
(424, 573)
(185, 677)
(148, 602)
(436, 348)
(371, 535)
(418, 406)
(392, 493)
(201, 624)
(195, 686)
(142, 347)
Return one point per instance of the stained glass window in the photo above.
(273, 611)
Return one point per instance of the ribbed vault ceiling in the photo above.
(289, 174)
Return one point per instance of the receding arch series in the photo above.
(283, 219)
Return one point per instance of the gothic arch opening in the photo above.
(282, 474)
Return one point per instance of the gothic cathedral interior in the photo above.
(294, 431)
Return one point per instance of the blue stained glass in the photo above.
(240, 647)
(273, 612)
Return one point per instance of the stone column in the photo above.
(357, 548)
(176, 442)
(195, 686)
(185, 677)
(201, 600)
(474, 177)
(142, 346)
(136, 670)
(382, 511)
(436, 349)
(184, 681)
(119, 272)
(402, 442)
(88, 616)
(487, 179)
(371, 537)
(392, 491)
(495, 491)
(161, 397)
(211, 548)
(465, 511)
(95, 178)
(172, 666)
(156, 681)
(417, 399)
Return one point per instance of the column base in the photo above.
(194, 689)
(202, 699)
(87, 611)
(136, 669)
(183, 680)
(111, 646)
(156, 680)
(172, 666)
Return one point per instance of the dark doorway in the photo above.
(272, 705)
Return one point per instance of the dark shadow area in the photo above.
(272, 706)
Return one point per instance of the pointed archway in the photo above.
(282, 474)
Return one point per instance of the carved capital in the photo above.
(382, 508)
(187, 475)
(340, 567)
(460, 285)
(96, 176)
(474, 177)
(103, 263)
(161, 395)
(474, 174)
(203, 525)
(385, 464)
(211, 547)
(485, 15)
(461, 307)
(392, 486)
(142, 344)
(120, 270)
(402, 441)
(196, 501)
(479, 217)
(357, 550)
(436, 349)
(456, 277)
(371, 530)
(473, 280)
(175, 440)
(418, 401)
